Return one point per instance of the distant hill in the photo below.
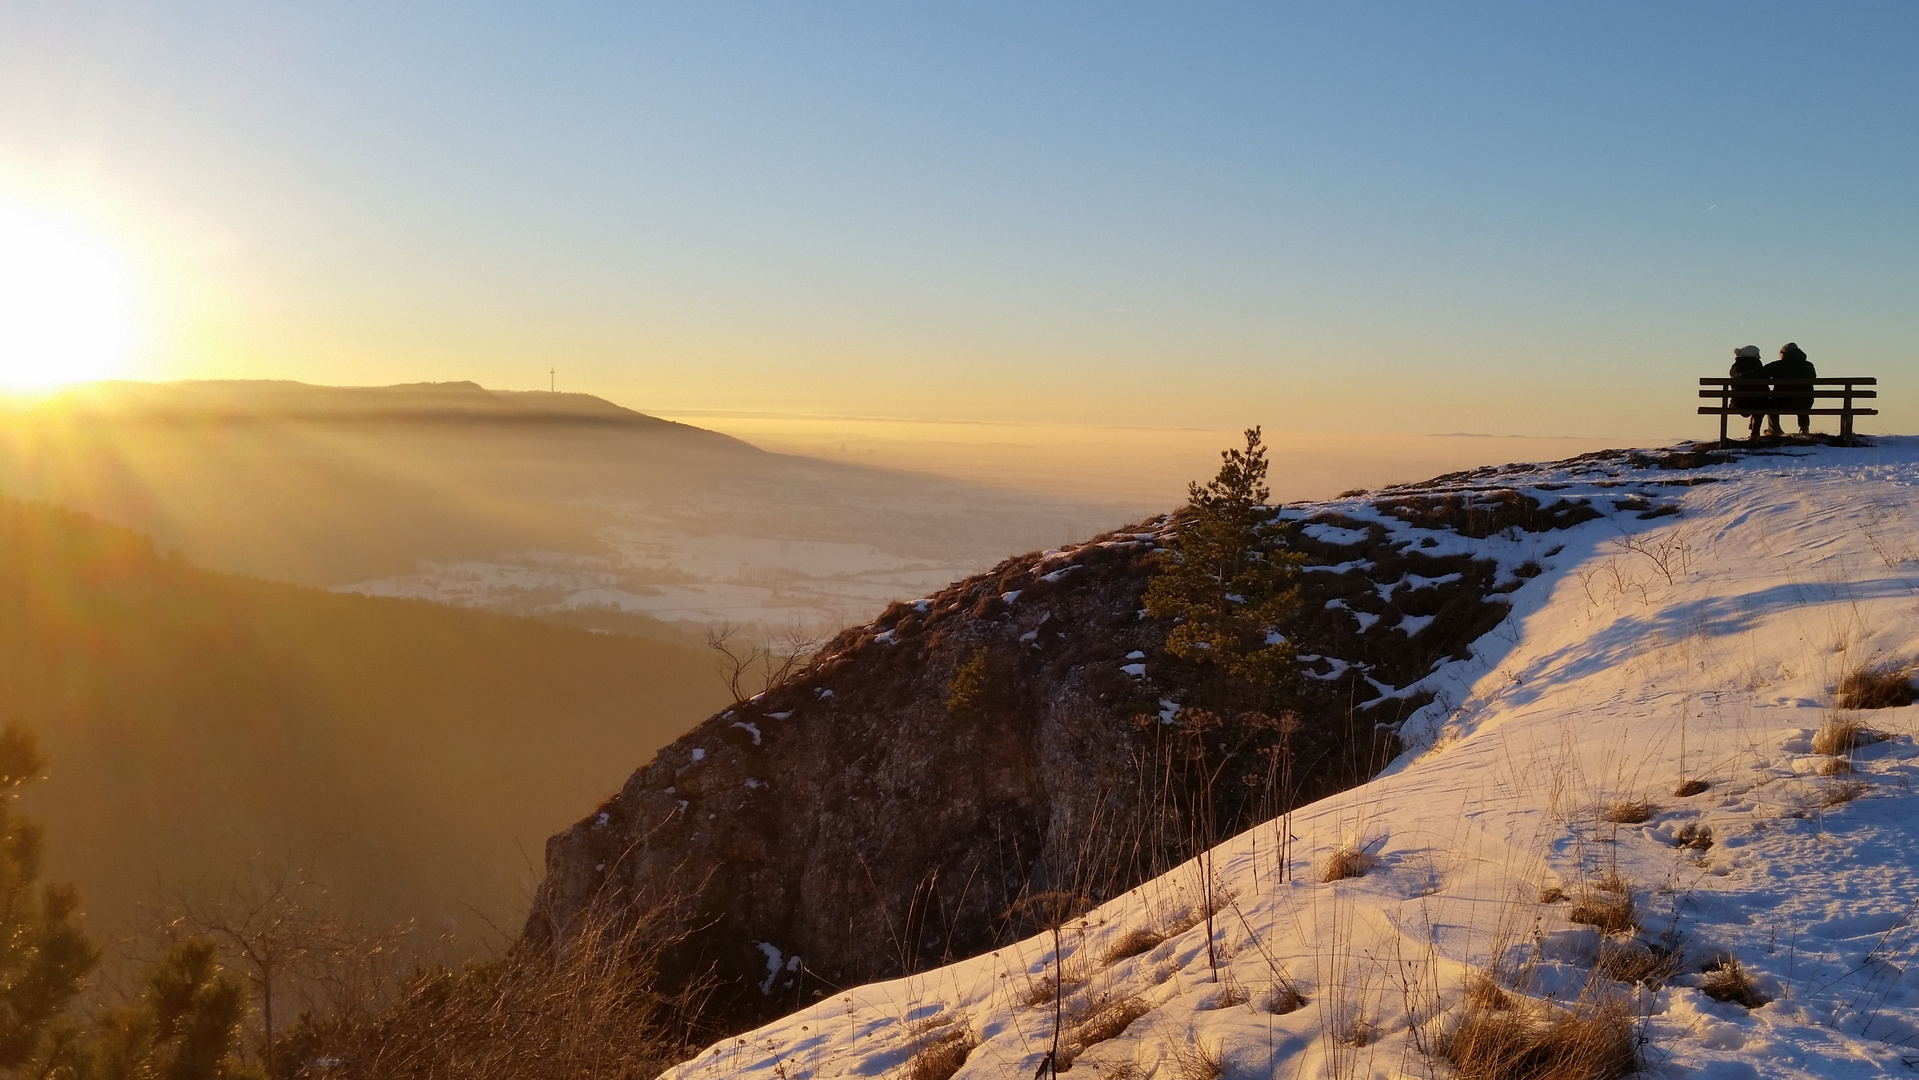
(192, 719)
(531, 503)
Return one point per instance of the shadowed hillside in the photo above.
(193, 719)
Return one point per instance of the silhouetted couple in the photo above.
(1754, 393)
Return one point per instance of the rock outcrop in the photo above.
(861, 821)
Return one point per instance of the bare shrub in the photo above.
(1881, 686)
(1628, 811)
(1350, 861)
(1728, 980)
(943, 1057)
(1837, 792)
(1694, 835)
(1131, 944)
(1690, 787)
(1609, 909)
(1196, 1061)
(1594, 1041)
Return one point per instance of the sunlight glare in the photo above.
(65, 303)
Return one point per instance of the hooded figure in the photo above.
(1792, 364)
(1749, 393)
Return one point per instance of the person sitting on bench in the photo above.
(1792, 364)
(1749, 394)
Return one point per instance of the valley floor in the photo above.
(1705, 646)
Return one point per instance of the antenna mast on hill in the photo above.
(550, 382)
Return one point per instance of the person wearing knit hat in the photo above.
(1791, 365)
(1749, 394)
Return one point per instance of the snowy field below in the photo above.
(1618, 807)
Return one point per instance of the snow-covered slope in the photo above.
(1702, 646)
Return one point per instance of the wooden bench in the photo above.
(1844, 390)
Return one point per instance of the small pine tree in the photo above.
(1228, 580)
(44, 956)
(968, 690)
(187, 1027)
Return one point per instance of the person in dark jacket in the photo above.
(1749, 393)
(1792, 364)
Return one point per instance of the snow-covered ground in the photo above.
(1702, 646)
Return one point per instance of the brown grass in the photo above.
(1132, 944)
(1231, 993)
(1595, 1041)
(1694, 835)
(593, 1007)
(1042, 992)
(1611, 910)
(1880, 686)
(1551, 894)
(1110, 1022)
(943, 1057)
(1632, 962)
(1629, 811)
(1728, 980)
(1688, 788)
(1836, 792)
(1484, 994)
(1347, 862)
(1197, 1062)
(1834, 766)
(1283, 998)
(1839, 735)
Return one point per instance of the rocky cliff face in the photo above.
(857, 822)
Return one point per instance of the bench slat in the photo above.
(1795, 392)
(1718, 380)
(1714, 410)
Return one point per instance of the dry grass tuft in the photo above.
(1834, 766)
(1881, 686)
(943, 1057)
(1728, 980)
(1484, 994)
(1283, 998)
(1629, 811)
(1110, 1022)
(1836, 792)
(1611, 910)
(1688, 788)
(1694, 835)
(1197, 1062)
(1594, 1042)
(1839, 735)
(1132, 944)
(1117, 1070)
(1348, 862)
(1632, 962)
(1231, 993)
(1042, 992)
(1551, 894)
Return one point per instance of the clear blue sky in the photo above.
(1514, 218)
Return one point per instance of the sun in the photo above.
(66, 305)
